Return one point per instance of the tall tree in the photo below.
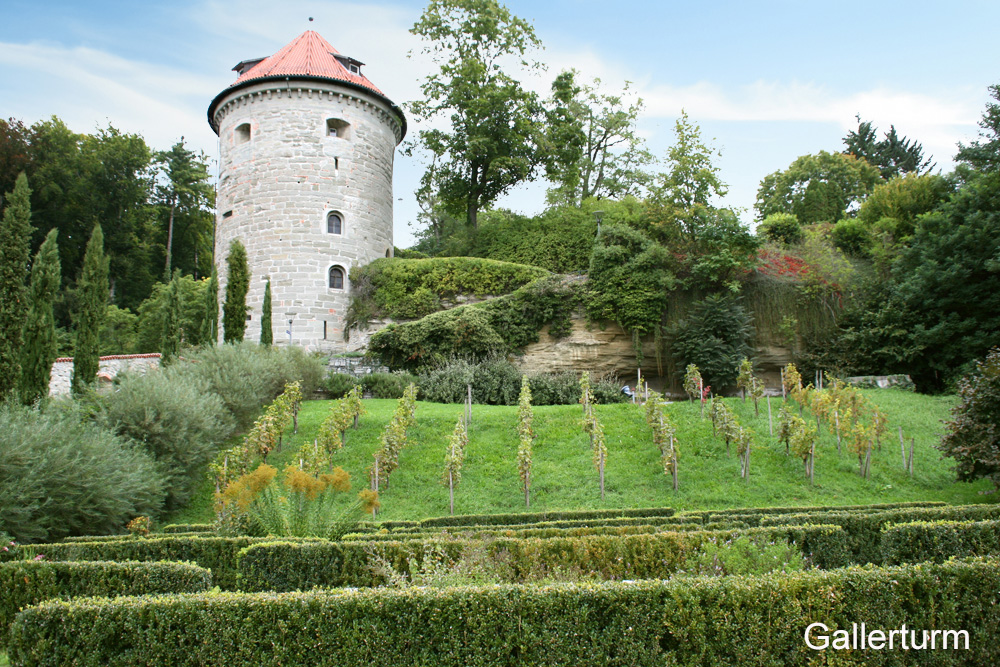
(495, 124)
(266, 326)
(185, 197)
(40, 326)
(593, 149)
(172, 318)
(234, 310)
(893, 156)
(210, 325)
(92, 295)
(984, 154)
(15, 156)
(823, 187)
(15, 250)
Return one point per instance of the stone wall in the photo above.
(62, 370)
(277, 188)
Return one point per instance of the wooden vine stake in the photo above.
(909, 464)
(468, 406)
(770, 422)
(902, 446)
(701, 396)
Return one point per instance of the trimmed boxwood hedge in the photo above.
(536, 517)
(28, 582)
(217, 554)
(864, 529)
(287, 566)
(685, 621)
(939, 540)
(188, 528)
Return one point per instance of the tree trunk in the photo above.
(170, 235)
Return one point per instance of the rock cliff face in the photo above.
(608, 350)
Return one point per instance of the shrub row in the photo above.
(939, 540)
(535, 517)
(698, 621)
(25, 583)
(483, 533)
(189, 528)
(864, 529)
(285, 566)
(129, 536)
(217, 554)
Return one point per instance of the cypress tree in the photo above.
(40, 326)
(172, 318)
(234, 310)
(210, 325)
(92, 293)
(15, 251)
(266, 332)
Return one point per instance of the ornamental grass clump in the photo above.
(299, 505)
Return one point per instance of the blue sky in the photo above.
(766, 81)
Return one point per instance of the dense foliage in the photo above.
(92, 295)
(412, 288)
(715, 336)
(60, 476)
(15, 233)
(972, 437)
(479, 330)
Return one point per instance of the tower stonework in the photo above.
(305, 183)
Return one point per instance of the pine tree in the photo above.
(234, 318)
(210, 326)
(266, 332)
(172, 318)
(15, 237)
(40, 328)
(92, 293)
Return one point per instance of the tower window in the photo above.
(336, 277)
(336, 127)
(242, 133)
(334, 224)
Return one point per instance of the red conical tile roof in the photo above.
(309, 56)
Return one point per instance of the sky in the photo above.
(766, 81)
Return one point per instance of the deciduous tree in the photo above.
(492, 143)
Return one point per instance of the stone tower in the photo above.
(306, 145)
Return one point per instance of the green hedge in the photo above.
(478, 331)
(121, 538)
(536, 517)
(582, 531)
(27, 582)
(685, 622)
(939, 540)
(217, 554)
(188, 528)
(411, 288)
(285, 566)
(864, 529)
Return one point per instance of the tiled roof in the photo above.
(307, 55)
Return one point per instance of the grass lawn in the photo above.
(563, 476)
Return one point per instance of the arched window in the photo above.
(334, 224)
(336, 277)
(242, 133)
(337, 128)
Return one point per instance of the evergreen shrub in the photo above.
(713, 621)
(27, 582)
(336, 385)
(283, 566)
(61, 475)
(864, 528)
(178, 422)
(387, 385)
(939, 540)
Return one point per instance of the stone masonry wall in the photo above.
(110, 367)
(276, 190)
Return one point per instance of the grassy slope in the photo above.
(564, 477)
